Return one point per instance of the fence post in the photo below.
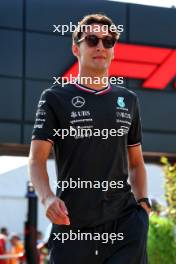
(31, 227)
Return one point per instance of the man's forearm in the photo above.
(40, 180)
(138, 181)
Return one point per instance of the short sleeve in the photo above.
(45, 120)
(135, 132)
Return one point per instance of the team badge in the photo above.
(120, 102)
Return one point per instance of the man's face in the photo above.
(14, 241)
(96, 58)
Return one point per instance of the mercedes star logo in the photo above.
(78, 101)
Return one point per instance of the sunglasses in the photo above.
(93, 40)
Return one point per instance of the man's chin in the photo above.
(100, 68)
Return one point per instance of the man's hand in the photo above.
(146, 208)
(56, 210)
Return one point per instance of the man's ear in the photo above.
(75, 50)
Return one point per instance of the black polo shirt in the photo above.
(96, 156)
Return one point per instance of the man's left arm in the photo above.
(138, 175)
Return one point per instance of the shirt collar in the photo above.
(90, 90)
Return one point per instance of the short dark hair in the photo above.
(4, 230)
(94, 19)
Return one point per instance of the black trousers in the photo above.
(129, 250)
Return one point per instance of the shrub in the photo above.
(161, 241)
(170, 188)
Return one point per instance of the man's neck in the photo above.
(93, 81)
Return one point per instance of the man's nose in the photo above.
(100, 45)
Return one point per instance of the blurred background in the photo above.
(31, 54)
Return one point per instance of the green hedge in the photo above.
(161, 242)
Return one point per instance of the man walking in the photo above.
(94, 127)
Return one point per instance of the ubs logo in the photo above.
(80, 114)
(78, 101)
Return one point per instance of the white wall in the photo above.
(13, 188)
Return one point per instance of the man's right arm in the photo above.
(55, 208)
